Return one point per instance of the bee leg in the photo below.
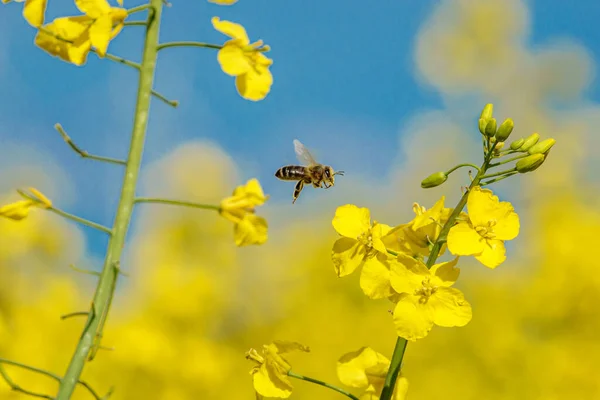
(297, 190)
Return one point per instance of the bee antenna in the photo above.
(339, 173)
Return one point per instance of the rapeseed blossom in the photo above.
(33, 11)
(20, 209)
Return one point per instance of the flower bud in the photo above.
(542, 147)
(498, 147)
(490, 128)
(529, 141)
(505, 130)
(487, 112)
(530, 163)
(517, 144)
(482, 124)
(434, 180)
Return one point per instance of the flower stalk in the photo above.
(321, 383)
(110, 272)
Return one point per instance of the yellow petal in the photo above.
(430, 216)
(223, 2)
(34, 11)
(356, 368)
(448, 307)
(463, 240)
(445, 274)
(375, 278)
(270, 383)
(233, 59)
(17, 210)
(255, 84)
(285, 346)
(401, 388)
(250, 230)
(378, 232)
(41, 197)
(74, 29)
(407, 274)
(231, 29)
(507, 222)
(493, 254)
(120, 2)
(100, 34)
(411, 320)
(351, 221)
(93, 8)
(347, 255)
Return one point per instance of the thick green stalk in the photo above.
(395, 364)
(110, 271)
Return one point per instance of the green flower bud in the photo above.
(482, 124)
(542, 147)
(530, 163)
(490, 128)
(529, 141)
(517, 144)
(487, 112)
(434, 180)
(505, 130)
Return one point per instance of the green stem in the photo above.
(392, 252)
(498, 179)
(325, 384)
(134, 23)
(108, 278)
(462, 165)
(176, 203)
(399, 350)
(74, 314)
(507, 161)
(189, 44)
(80, 220)
(506, 171)
(18, 388)
(83, 153)
(84, 271)
(138, 8)
(172, 103)
(121, 60)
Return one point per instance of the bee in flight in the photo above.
(311, 172)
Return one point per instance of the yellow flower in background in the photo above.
(33, 11)
(270, 375)
(239, 209)
(366, 368)
(223, 2)
(490, 222)
(426, 298)
(71, 38)
(20, 209)
(361, 246)
(244, 60)
(416, 237)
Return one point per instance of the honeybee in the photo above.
(311, 172)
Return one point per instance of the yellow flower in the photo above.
(366, 368)
(244, 60)
(223, 2)
(33, 11)
(239, 209)
(20, 209)
(426, 298)
(490, 222)
(417, 236)
(270, 375)
(71, 38)
(361, 246)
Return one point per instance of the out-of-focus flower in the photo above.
(366, 368)
(361, 246)
(71, 38)
(20, 209)
(33, 11)
(490, 222)
(270, 375)
(239, 209)
(426, 297)
(223, 2)
(244, 60)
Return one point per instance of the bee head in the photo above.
(330, 175)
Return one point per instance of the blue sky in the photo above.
(344, 76)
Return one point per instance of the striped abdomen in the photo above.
(291, 173)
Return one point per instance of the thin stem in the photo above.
(189, 44)
(172, 103)
(325, 384)
(134, 23)
(84, 271)
(506, 171)
(74, 314)
(18, 388)
(80, 220)
(462, 165)
(108, 278)
(399, 350)
(120, 60)
(83, 153)
(176, 203)
(138, 8)
(498, 179)
(392, 252)
(507, 161)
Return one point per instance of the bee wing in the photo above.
(303, 154)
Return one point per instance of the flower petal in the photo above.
(34, 11)
(445, 274)
(17, 210)
(401, 388)
(253, 191)
(93, 8)
(379, 231)
(223, 2)
(74, 29)
(351, 221)
(100, 34)
(493, 254)
(255, 84)
(233, 60)
(356, 368)
(375, 278)
(430, 216)
(269, 382)
(407, 274)
(231, 29)
(411, 320)
(463, 240)
(507, 222)
(250, 230)
(347, 255)
(286, 346)
(448, 307)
